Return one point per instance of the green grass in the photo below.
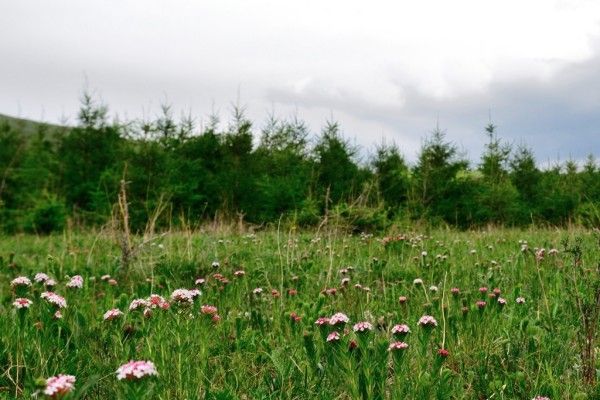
(256, 350)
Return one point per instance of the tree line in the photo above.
(179, 173)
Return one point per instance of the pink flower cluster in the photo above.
(20, 281)
(136, 370)
(184, 296)
(362, 327)
(54, 299)
(59, 385)
(22, 302)
(395, 346)
(400, 329)
(75, 282)
(112, 314)
(427, 321)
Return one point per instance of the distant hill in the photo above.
(28, 127)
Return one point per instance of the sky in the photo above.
(387, 71)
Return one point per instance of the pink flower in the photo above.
(295, 317)
(338, 319)
(257, 291)
(239, 274)
(112, 314)
(20, 281)
(76, 282)
(138, 303)
(57, 386)
(50, 282)
(362, 327)
(54, 299)
(322, 321)
(275, 293)
(520, 300)
(208, 309)
(333, 337)
(443, 353)
(497, 291)
(455, 291)
(427, 321)
(402, 299)
(41, 277)
(483, 289)
(480, 304)
(58, 315)
(397, 346)
(21, 303)
(134, 370)
(155, 301)
(292, 292)
(183, 296)
(200, 281)
(400, 329)
(541, 398)
(112, 282)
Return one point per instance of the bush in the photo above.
(47, 217)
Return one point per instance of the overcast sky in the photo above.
(386, 70)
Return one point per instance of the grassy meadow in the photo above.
(261, 340)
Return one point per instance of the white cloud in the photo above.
(361, 61)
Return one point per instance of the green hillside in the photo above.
(26, 126)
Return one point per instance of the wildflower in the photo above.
(480, 304)
(59, 385)
(520, 300)
(41, 277)
(58, 315)
(400, 330)
(136, 370)
(443, 353)
(502, 301)
(352, 345)
(295, 317)
(402, 299)
(553, 252)
(208, 309)
(427, 321)
(257, 291)
(215, 264)
(21, 303)
(112, 282)
(275, 293)
(541, 398)
(497, 291)
(155, 301)
(292, 292)
(182, 296)
(540, 254)
(433, 288)
(362, 327)
(423, 253)
(345, 281)
(322, 321)
(200, 281)
(76, 282)
(344, 271)
(147, 312)
(473, 252)
(195, 293)
(239, 274)
(54, 299)
(338, 319)
(138, 303)
(333, 336)
(483, 290)
(215, 318)
(455, 291)
(112, 314)
(105, 277)
(20, 281)
(50, 283)
(397, 346)
(418, 281)
(358, 286)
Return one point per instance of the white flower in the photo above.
(112, 314)
(21, 303)
(339, 318)
(57, 386)
(136, 370)
(54, 299)
(20, 281)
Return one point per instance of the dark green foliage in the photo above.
(177, 171)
